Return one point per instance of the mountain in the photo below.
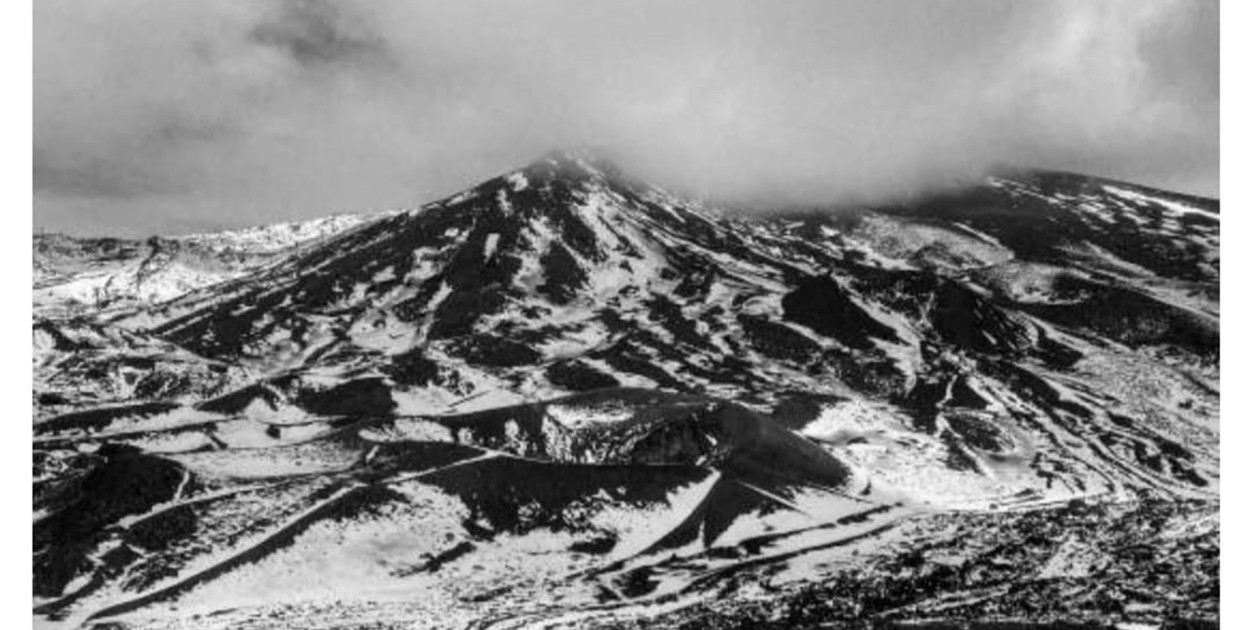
(80, 284)
(568, 397)
(73, 272)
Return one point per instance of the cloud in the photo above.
(318, 32)
(159, 116)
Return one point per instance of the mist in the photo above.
(154, 116)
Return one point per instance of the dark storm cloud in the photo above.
(318, 32)
(153, 115)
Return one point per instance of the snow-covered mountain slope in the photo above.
(567, 396)
(101, 272)
(82, 362)
(80, 284)
(278, 236)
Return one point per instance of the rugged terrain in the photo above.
(566, 398)
(73, 273)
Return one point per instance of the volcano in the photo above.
(566, 397)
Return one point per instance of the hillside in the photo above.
(566, 396)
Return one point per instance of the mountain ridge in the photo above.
(612, 397)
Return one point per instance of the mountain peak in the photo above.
(575, 163)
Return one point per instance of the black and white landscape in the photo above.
(625, 314)
(566, 398)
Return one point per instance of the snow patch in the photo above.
(518, 181)
(577, 417)
(1159, 201)
(492, 243)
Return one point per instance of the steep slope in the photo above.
(566, 266)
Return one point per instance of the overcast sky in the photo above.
(170, 116)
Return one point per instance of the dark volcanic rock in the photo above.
(579, 377)
(413, 368)
(362, 397)
(824, 306)
(494, 351)
(81, 509)
(970, 321)
(237, 401)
